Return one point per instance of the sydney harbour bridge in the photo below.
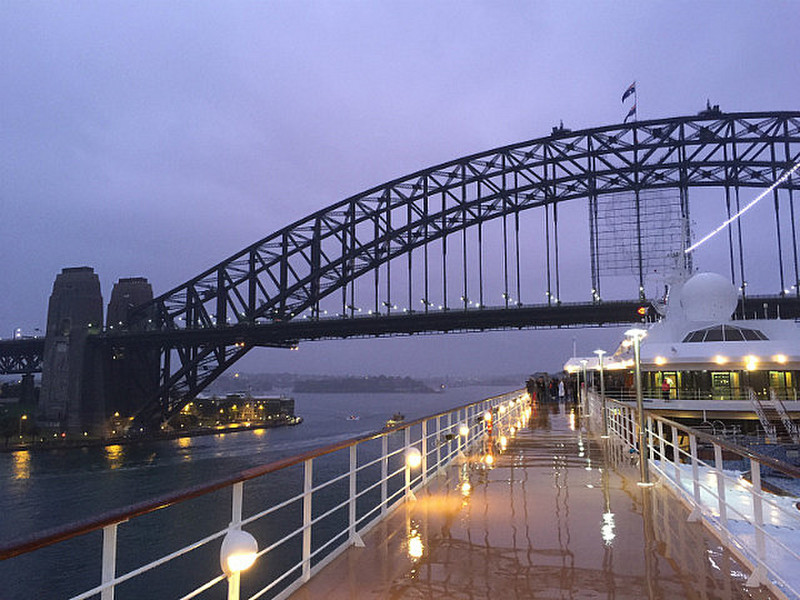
(519, 236)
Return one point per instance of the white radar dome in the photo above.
(708, 297)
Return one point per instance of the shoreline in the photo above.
(125, 441)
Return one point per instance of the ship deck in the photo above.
(559, 515)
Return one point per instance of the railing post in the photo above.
(450, 432)
(759, 574)
(308, 484)
(406, 468)
(651, 451)
(721, 502)
(696, 510)
(676, 457)
(662, 456)
(109, 560)
(438, 443)
(237, 492)
(351, 508)
(384, 472)
(424, 451)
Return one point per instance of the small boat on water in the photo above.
(396, 419)
(353, 418)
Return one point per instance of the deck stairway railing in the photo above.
(304, 510)
(734, 491)
(789, 426)
(766, 416)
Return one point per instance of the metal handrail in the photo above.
(54, 535)
(677, 461)
(438, 447)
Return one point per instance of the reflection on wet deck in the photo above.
(559, 515)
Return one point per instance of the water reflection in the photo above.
(115, 455)
(21, 464)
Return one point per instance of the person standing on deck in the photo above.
(562, 392)
(665, 387)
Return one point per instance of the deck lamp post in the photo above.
(413, 461)
(636, 336)
(238, 552)
(600, 354)
(585, 394)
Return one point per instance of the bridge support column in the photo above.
(75, 309)
(130, 373)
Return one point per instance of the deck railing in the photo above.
(722, 484)
(303, 510)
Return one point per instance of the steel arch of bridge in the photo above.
(288, 272)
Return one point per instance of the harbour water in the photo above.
(42, 490)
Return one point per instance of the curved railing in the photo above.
(722, 483)
(304, 510)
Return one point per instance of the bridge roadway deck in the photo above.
(559, 516)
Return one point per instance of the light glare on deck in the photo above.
(463, 430)
(415, 545)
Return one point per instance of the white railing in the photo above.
(303, 510)
(710, 475)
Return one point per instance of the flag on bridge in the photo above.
(631, 113)
(631, 90)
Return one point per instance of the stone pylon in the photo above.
(75, 309)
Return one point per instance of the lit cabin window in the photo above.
(724, 333)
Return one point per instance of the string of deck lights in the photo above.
(752, 203)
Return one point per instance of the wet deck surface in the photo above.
(558, 516)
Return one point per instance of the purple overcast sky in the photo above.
(156, 138)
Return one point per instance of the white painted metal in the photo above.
(109, 560)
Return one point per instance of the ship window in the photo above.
(733, 334)
(695, 336)
(724, 333)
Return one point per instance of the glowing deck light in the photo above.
(463, 431)
(502, 409)
(720, 360)
(489, 460)
(238, 552)
(751, 362)
(752, 203)
(660, 360)
(503, 442)
(413, 458)
(466, 488)
(487, 416)
(780, 358)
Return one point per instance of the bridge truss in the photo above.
(419, 240)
